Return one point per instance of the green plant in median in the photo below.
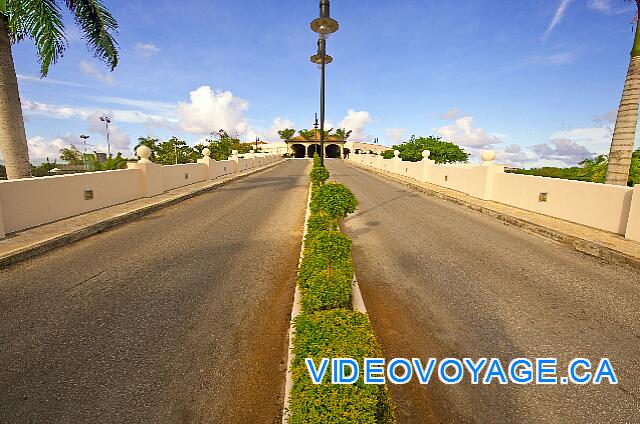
(316, 160)
(326, 272)
(336, 200)
(320, 221)
(327, 326)
(327, 289)
(319, 174)
(336, 333)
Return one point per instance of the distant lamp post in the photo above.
(107, 121)
(257, 141)
(84, 155)
(323, 26)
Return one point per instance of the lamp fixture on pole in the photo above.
(323, 26)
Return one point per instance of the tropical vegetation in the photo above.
(590, 169)
(624, 134)
(441, 151)
(41, 21)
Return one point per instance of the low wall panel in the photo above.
(35, 201)
(175, 176)
(597, 205)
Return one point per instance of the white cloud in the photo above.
(514, 155)
(30, 78)
(269, 135)
(76, 112)
(563, 150)
(40, 148)
(55, 111)
(555, 59)
(396, 135)
(146, 49)
(600, 5)
(142, 104)
(211, 110)
(595, 139)
(355, 122)
(88, 69)
(463, 133)
(608, 118)
(451, 114)
(557, 18)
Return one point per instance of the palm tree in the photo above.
(286, 133)
(624, 135)
(41, 21)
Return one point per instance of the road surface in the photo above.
(178, 317)
(443, 281)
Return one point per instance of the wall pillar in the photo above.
(426, 164)
(206, 159)
(152, 178)
(633, 223)
(2, 233)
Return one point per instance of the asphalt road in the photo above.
(178, 317)
(442, 281)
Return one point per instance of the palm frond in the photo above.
(40, 20)
(96, 22)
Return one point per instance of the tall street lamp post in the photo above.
(323, 26)
(107, 121)
(84, 155)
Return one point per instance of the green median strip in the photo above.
(328, 327)
(336, 333)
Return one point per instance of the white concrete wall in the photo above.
(175, 176)
(31, 202)
(606, 207)
(34, 201)
(224, 167)
(601, 206)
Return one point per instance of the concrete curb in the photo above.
(586, 246)
(295, 311)
(31, 251)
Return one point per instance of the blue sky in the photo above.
(537, 81)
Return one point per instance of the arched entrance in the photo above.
(298, 151)
(333, 151)
(313, 149)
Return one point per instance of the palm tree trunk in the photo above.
(624, 135)
(13, 140)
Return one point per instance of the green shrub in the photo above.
(319, 174)
(336, 200)
(332, 245)
(320, 221)
(337, 333)
(326, 273)
(327, 290)
(316, 160)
